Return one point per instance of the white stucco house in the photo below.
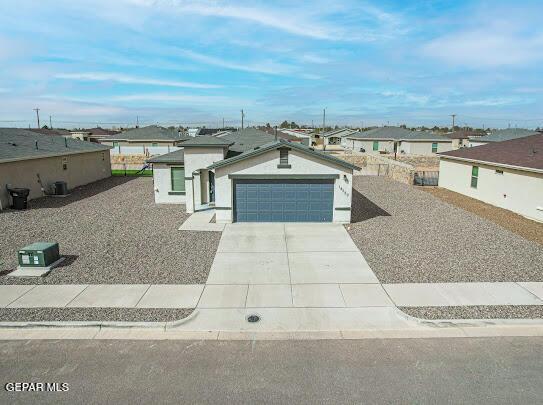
(336, 136)
(246, 177)
(385, 140)
(507, 174)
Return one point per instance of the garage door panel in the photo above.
(283, 200)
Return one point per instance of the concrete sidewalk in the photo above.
(239, 296)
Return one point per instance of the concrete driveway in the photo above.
(276, 265)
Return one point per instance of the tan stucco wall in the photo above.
(83, 168)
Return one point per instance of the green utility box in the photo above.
(39, 254)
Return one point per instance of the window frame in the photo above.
(375, 146)
(434, 149)
(474, 176)
(172, 188)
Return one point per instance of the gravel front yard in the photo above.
(477, 312)
(524, 227)
(93, 314)
(409, 236)
(110, 232)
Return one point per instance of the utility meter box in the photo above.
(39, 254)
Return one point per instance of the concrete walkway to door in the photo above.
(276, 265)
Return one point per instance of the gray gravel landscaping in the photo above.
(410, 236)
(477, 312)
(93, 314)
(111, 232)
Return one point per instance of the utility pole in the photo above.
(242, 117)
(453, 117)
(50, 123)
(223, 123)
(323, 119)
(37, 115)
(137, 121)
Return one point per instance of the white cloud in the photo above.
(120, 78)
(301, 20)
(268, 67)
(492, 46)
(181, 98)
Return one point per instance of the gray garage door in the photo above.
(283, 200)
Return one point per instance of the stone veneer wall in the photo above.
(396, 170)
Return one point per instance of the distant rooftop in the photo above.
(206, 141)
(500, 135)
(149, 133)
(464, 134)
(526, 152)
(397, 134)
(22, 144)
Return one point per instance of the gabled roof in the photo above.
(206, 141)
(20, 144)
(149, 133)
(397, 134)
(177, 156)
(505, 135)
(525, 152)
(247, 139)
(54, 132)
(281, 143)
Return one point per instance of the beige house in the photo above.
(35, 161)
(507, 174)
(390, 140)
(143, 140)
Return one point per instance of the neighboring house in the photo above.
(287, 136)
(300, 133)
(150, 140)
(248, 178)
(336, 136)
(501, 135)
(507, 174)
(93, 134)
(32, 160)
(398, 140)
(460, 139)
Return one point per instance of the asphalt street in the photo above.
(479, 370)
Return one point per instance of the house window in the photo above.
(154, 144)
(434, 147)
(375, 145)
(283, 156)
(474, 176)
(178, 179)
(115, 144)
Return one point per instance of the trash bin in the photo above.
(19, 197)
(61, 188)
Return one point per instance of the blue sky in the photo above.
(197, 62)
